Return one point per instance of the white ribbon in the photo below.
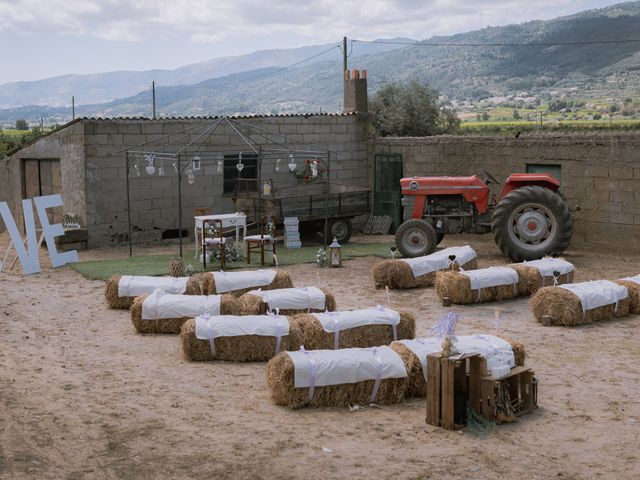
(376, 385)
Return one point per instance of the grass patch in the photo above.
(154, 265)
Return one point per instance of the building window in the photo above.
(246, 180)
(554, 170)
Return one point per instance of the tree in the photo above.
(411, 110)
(485, 116)
(516, 115)
(22, 125)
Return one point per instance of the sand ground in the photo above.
(82, 396)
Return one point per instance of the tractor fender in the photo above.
(518, 180)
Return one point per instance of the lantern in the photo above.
(335, 249)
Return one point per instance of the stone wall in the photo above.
(600, 173)
(67, 145)
(154, 199)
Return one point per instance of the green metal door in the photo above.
(387, 194)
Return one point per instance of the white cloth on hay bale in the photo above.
(134, 286)
(319, 368)
(635, 279)
(230, 281)
(210, 328)
(547, 266)
(334, 322)
(304, 298)
(497, 352)
(597, 293)
(439, 260)
(161, 305)
(492, 277)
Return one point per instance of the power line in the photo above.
(532, 44)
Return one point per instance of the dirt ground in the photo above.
(82, 396)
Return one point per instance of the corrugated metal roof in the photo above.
(215, 117)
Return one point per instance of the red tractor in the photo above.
(529, 220)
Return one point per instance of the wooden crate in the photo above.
(451, 383)
(521, 388)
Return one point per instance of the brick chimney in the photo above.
(355, 91)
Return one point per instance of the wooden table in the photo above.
(237, 220)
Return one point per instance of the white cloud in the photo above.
(313, 21)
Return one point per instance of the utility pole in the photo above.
(344, 55)
(153, 89)
(73, 107)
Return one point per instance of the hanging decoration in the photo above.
(175, 166)
(161, 168)
(292, 164)
(277, 167)
(137, 168)
(195, 163)
(150, 168)
(191, 178)
(239, 165)
(220, 166)
(312, 171)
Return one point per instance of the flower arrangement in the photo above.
(312, 171)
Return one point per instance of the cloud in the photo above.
(312, 21)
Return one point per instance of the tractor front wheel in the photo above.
(415, 238)
(531, 222)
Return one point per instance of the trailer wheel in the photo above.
(531, 222)
(340, 229)
(415, 238)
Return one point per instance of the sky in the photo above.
(46, 38)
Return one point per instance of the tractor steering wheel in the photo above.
(489, 178)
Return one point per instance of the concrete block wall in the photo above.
(66, 145)
(154, 199)
(600, 173)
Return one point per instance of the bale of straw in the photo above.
(254, 305)
(229, 305)
(634, 295)
(558, 306)
(281, 280)
(194, 287)
(397, 274)
(316, 338)
(280, 379)
(530, 281)
(245, 348)
(417, 385)
(457, 287)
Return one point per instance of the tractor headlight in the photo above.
(413, 185)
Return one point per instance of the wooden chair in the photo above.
(266, 237)
(201, 212)
(216, 242)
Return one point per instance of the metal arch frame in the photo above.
(243, 130)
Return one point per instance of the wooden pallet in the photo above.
(453, 382)
(449, 388)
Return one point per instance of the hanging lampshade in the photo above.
(195, 163)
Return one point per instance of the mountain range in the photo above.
(461, 70)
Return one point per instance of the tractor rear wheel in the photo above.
(415, 238)
(531, 222)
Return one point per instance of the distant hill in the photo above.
(461, 73)
(104, 87)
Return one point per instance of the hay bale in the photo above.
(316, 338)
(397, 274)
(281, 280)
(111, 295)
(254, 305)
(229, 305)
(280, 379)
(559, 306)
(416, 383)
(194, 287)
(457, 287)
(530, 280)
(634, 294)
(244, 348)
